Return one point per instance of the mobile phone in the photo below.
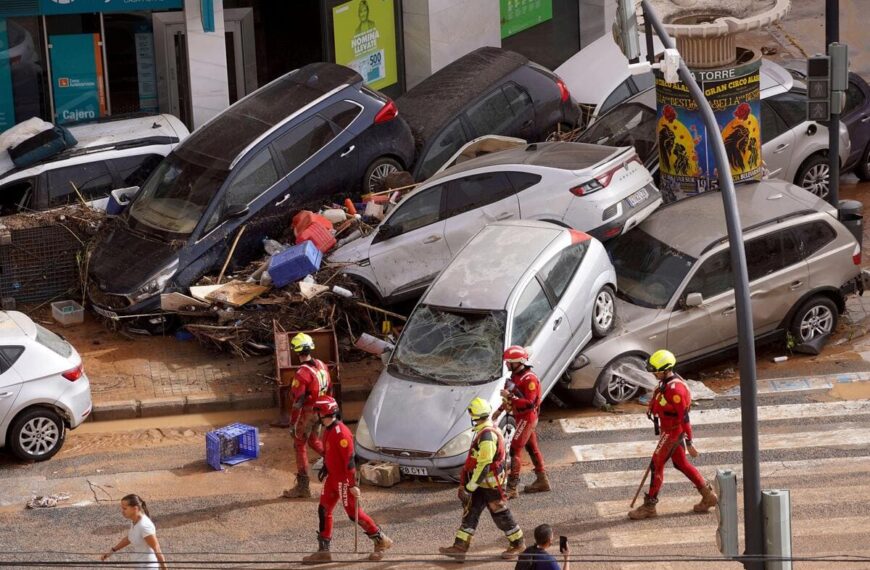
(563, 544)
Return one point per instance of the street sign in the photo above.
(819, 88)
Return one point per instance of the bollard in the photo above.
(776, 508)
(726, 533)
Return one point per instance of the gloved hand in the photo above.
(322, 473)
(354, 491)
(463, 495)
(691, 449)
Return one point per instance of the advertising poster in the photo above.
(7, 105)
(50, 7)
(519, 15)
(686, 161)
(146, 71)
(365, 40)
(77, 77)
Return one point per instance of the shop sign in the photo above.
(7, 105)
(365, 40)
(687, 164)
(50, 7)
(519, 15)
(77, 77)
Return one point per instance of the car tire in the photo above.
(36, 435)
(614, 388)
(377, 171)
(862, 170)
(817, 316)
(814, 176)
(508, 426)
(603, 312)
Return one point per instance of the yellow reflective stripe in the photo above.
(516, 535)
(463, 536)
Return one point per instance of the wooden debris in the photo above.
(201, 292)
(236, 293)
(311, 290)
(180, 302)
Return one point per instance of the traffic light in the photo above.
(726, 510)
(819, 88)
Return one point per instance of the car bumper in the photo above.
(149, 305)
(438, 467)
(628, 219)
(76, 400)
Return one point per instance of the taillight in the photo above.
(856, 255)
(602, 181)
(564, 94)
(387, 113)
(74, 374)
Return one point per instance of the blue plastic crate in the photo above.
(232, 444)
(294, 263)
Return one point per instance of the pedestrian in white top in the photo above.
(142, 536)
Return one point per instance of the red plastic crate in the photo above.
(317, 234)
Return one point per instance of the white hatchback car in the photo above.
(43, 388)
(604, 191)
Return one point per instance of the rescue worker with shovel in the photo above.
(480, 486)
(669, 410)
(522, 399)
(310, 382)
(339, 483)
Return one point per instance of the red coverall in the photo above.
(670, 403)
(311, 381)
(340, 476)
(525, 404)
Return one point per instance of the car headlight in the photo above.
(363, 436)
(456, 446)
(156, 283)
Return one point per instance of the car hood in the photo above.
(353, 252)
(124, 260)
(417, 416)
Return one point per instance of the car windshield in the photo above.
(176, 195)
(450, 346)
(648, 271)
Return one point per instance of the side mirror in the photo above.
(235, 211)
(694, 300)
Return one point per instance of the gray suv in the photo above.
(675, 285)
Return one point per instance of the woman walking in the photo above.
(142, 536)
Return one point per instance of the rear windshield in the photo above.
(53, 342)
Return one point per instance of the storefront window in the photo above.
(21, 72)
(545, 31)
(77, 68)
(130, 61)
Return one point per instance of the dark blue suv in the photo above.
(308, 135)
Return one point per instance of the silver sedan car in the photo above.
(529, 283)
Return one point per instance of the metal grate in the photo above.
(37, 264)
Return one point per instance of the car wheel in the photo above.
(815, 176)
(815, 318)
(508, 427)
(377, 172)
(614, 387)
(36, 435)
(862, 171)
(603, 312)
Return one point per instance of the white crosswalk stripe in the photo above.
(612, 422)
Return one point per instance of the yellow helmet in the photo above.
(479, 409)
(302, 342)
(660, 361)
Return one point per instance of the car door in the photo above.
(778, 277)
(444, 145)
(777, 140)
(523, 109)
(475, 201)
(856, 116)
(540, 326)
(492, 115)
(409, 249)
(10, 380)
(17, 196)
(340, 171)
(91, 182)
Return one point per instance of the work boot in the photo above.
(511, 487)
(457, 551)
(646, 511)
(300, 491)
(322, 555)
(708, 499)
(382, 544)
(514, 549)
(541, 484)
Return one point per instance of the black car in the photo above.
(308, 135)
(490, 91)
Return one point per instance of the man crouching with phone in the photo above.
(536, 556)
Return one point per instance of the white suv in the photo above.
(43, 388)
(109, 155)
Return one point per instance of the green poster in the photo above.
(519, 15)
(365, 40)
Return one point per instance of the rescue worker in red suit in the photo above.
(522, 399)
(669, 410)
(339, 484)
(311, 381)
(481, 485)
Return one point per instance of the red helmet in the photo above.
(516, 353)
(325, 406)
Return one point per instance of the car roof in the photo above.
(439, 98)
(487, 269)
(563, 155)
(680, 224)
(15, 326)
(219, 142)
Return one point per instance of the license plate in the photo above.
(105, 313)
(405, 470)
(638, 197)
